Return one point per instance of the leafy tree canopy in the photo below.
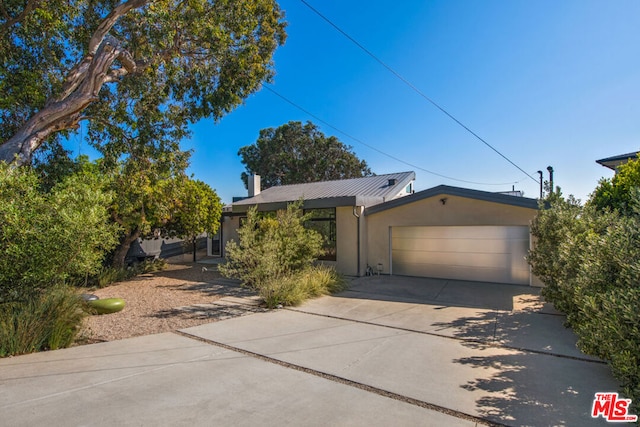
(295, 153)
(151, 194)
(49, 237)
(198, 210)
(113, 64)
(618, 193)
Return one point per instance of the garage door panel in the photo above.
(482, 274)
(484, 253)
(456, 245)
(461, 232)
(468, 259)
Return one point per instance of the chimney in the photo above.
(254, 185)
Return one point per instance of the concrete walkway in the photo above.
(390, 351)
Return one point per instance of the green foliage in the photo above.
(48, 321)
(162, 65)
(589, 260)
(293, 289)
(197, 210)
(274, 256)
(617, 193)
(295, 153)
(556, 231)
(49, 238)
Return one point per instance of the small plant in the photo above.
(152, 265)
(49, 321)
(109, 275)
(294, 289)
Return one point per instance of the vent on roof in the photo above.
(392, 181)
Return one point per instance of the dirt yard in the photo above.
(181, 296)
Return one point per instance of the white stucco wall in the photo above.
(347, 241)
(230, 226)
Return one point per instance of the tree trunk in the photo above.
(195, 248)
(80, 89)
(120, 254)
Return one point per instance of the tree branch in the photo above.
(111, 19)
(10, 22)
(64, 111)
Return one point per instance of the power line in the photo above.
(374, 148)
(414, 88)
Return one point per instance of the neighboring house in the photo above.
(615, 161)
(380, 224)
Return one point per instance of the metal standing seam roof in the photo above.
(368, 191)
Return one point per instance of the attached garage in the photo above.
(453, 233)
(480, 253)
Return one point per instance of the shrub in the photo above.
(49, 238)
(271, 248)
(275, 257)
(617, 193)
(294, 289)
(47, 322)
(557, 234)
(589, 260)
(607, 293)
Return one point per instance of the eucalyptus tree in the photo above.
(108, 63)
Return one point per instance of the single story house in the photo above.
(380, 224)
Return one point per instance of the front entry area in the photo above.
(478, 253)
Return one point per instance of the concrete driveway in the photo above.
(390, 351)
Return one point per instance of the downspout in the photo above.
(357, 215)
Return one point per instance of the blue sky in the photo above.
(544, 82)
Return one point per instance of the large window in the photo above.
(324, 222)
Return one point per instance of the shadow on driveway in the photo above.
(540, 379)
(446, 292)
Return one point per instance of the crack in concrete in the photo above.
(348, 382)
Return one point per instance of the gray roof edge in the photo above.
(633, 154)
(328, 202)
(486, 196)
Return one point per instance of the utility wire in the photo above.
(374, 148)
(415, 89)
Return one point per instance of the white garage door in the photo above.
(480, 253)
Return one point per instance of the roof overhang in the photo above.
(331, 202)
(615, 161)
(441, 190)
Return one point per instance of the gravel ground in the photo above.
(181, 296)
